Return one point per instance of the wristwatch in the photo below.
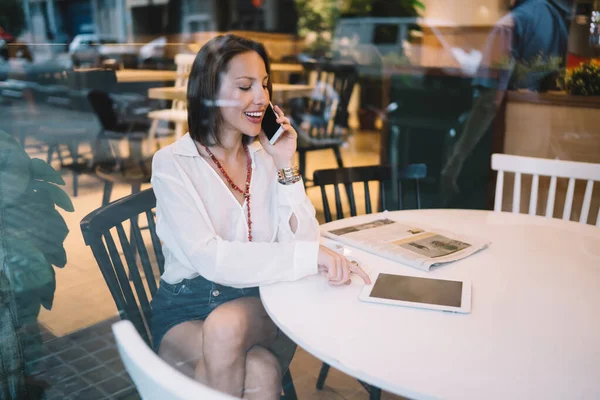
(288, 176)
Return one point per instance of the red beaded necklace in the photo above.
(246, 192)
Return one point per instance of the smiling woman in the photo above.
(232, 215)
(212, 78)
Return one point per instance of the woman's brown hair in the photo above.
(204, 82)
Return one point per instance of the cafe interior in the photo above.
(478, 118)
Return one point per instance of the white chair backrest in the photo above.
(545, 167)
(153, 377)
(184, 66)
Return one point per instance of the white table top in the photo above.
(533, 331)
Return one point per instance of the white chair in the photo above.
(153, 377)
(178, 111)
(545, 167)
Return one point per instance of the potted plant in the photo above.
(538, 74)
(583, 80)
(32, 233)
(316, 20)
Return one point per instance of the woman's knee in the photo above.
(226, 327)
(262, 364)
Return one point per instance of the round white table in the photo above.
(533, 331)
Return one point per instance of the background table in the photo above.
(281, 92)
(145, 75)
(533, 332)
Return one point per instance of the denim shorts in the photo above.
(189, 300)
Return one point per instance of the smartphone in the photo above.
(270, 125)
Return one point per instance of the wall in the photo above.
(555, 131)
(466, 12)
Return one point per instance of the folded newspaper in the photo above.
(388, 236)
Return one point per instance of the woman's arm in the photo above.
(296, 214)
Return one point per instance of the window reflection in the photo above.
(366, 82)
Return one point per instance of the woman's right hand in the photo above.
(338, 268)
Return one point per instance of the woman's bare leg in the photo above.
(263, 375)
(181, 347)
(229, 332)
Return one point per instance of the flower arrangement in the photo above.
(583, 80)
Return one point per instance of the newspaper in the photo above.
(389, 237)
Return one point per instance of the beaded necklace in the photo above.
(246, 192)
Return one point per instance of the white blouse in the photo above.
(204, 230)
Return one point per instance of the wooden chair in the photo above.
(153, 377)
(178, 111)
(322, 120)
(389, 178)
(545, 167)
(132, 266)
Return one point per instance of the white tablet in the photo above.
(413, 291)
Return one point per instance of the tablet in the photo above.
(413, 291)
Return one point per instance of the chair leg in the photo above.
(152, 141)
(73, 149)
(108, 187)
(178, 130)
(289, 391)
(338, 156)
(374, 392)
(49, 154)
(322, 376)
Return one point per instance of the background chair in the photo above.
(322, 120)
(554, 169)
(389, 179)
(386, 176)
(153, 377)
(178, 111)
(110, 166)
(131, 266)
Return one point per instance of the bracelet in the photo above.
(288, 176)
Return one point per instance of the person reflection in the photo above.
(532, 29)
(232, 215)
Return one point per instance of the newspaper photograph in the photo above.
(417, 246)
(432, 245)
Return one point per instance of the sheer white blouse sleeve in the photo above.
(192, 247)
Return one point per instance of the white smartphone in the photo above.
(270, 125)
(414, 291)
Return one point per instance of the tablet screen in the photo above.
(418, 290)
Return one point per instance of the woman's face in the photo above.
(243, 95)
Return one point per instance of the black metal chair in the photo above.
(322, 120)
(391, 197)
(131, 266)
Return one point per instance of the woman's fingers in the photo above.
(278, 111)
(360, 272)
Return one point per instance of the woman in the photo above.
(232, 215)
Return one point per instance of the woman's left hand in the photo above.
(284, 149)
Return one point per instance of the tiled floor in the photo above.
(81, 360)
(84, 365)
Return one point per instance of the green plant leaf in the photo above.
(14, 169)
(59, 197)
(42, 225)
(28, 269)
(40, 169)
